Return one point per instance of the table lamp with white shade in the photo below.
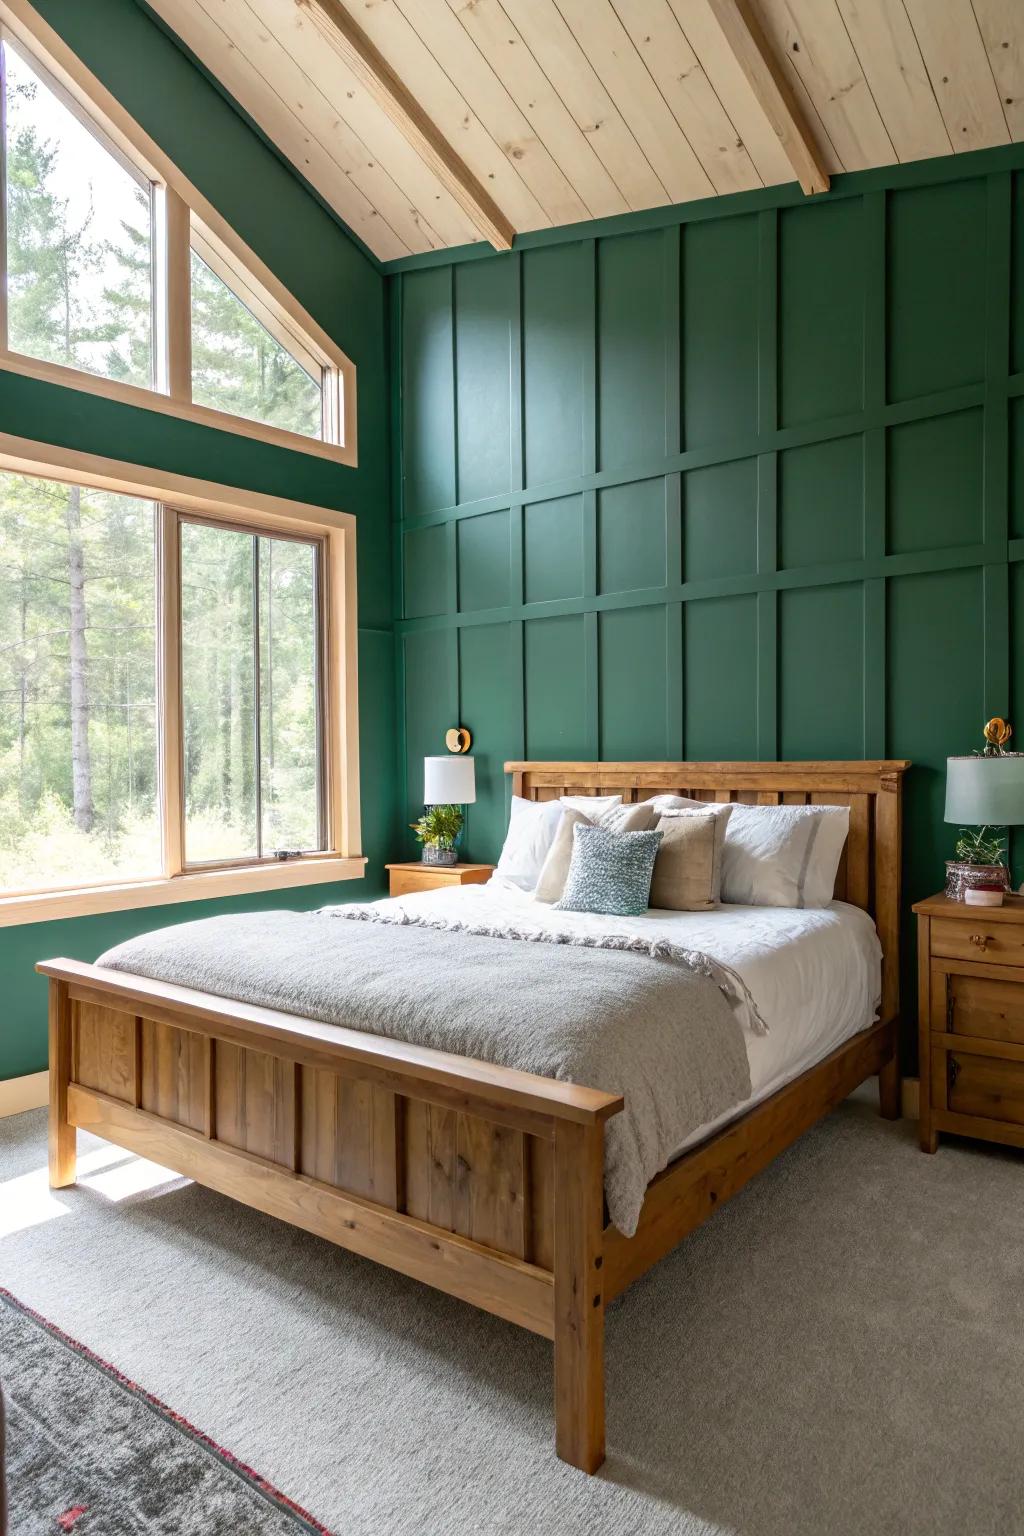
(449, 783)
(983, 792)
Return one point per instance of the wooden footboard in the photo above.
(480, 1181)
(483, 1182)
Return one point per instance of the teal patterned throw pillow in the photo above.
(609, 872)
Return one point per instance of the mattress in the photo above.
(814, 974)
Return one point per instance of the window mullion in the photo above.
(173, 293)
(328, 410)
(256, 696)
(172, 808)
(4, 285)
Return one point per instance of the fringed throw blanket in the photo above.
(651, 1023)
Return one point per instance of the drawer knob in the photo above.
(980, 940)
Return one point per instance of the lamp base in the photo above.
(961, 877)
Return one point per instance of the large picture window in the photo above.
(112, 282)
(174, 692)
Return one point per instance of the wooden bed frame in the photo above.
(481, 1181)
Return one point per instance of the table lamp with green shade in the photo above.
(984, 792)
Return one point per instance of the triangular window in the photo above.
(240, 367)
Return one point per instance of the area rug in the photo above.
(92, 1453)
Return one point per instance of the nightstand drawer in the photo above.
(996, 943)
(980, 1007)
(406, 882)
(985, 1088)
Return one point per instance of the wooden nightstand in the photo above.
(971, 1020)
(406, 879)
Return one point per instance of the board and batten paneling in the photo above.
(749, 485)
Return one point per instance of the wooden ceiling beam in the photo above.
(369, 65)
(767, 78)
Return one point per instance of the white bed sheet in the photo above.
(815, 974)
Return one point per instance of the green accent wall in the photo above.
(343, 289)
(742, 481)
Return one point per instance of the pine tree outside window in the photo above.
(79, 238)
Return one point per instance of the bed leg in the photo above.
(63, 1136)
(579, 1294)
(890, 1088)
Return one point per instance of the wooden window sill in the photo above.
(203, 885)
(184, 410)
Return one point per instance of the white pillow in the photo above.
(826, 852)
(531, 831)
(783, 855)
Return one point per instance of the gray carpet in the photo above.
(840, 1350)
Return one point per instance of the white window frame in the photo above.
(178, 496)
(183, 217)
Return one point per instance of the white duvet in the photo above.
(814, 974)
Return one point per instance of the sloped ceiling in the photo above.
(446, 120)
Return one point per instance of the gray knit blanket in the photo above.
(648, 1021)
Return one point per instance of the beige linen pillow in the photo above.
(688, 869)
(555, 870)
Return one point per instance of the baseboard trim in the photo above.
(21, 1093)
(911, 1098)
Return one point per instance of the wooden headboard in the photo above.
(869, 873)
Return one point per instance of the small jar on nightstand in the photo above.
(971, 1020)
(407, 879)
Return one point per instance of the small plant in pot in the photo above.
(439, 830)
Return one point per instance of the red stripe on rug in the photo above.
(178, 1420)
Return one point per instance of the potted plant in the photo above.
(978, 863)
(439, 830)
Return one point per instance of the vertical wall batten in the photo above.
(767, 481)
(589, 344)
(517, 388)
(592, 448)
(995, 522)
(517, 442)
(674, 712)
(767, 322)
(874, 460)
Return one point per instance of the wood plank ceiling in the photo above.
(428, 124)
